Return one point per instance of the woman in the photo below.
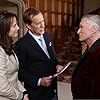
(10, 87)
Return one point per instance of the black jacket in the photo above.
(34, 64)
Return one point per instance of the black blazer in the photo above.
(34, 64)
(85, 79)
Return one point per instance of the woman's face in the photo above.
(13, 28)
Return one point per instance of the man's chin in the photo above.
(80, 39)
(42, 32)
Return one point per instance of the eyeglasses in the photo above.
(3, 14)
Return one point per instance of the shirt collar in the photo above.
(36, 37)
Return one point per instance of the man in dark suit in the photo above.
(37, 59)
(85, 79)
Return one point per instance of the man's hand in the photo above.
(59, 68)
(46, 81)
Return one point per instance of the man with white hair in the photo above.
(85, 79)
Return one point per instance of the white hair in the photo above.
(94, 18)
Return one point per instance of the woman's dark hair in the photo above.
(6, 20)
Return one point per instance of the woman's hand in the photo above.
(26, 97)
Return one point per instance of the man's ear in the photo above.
(94, 28)
(28, 26)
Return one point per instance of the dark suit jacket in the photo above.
(86, 76)
(34, 64)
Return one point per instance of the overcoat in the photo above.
(86, 76)
(10, 86)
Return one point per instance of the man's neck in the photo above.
(90, 41)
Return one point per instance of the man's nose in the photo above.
(42, 24)
(78, 31)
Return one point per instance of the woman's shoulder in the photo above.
(2, 50)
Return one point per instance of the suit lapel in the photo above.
(85, 56)
(14, 60)
(49, 45)
(34, 44)
(81, 61)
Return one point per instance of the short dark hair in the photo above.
(28, 12)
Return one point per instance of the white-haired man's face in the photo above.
(86, 29)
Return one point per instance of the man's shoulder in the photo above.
(21, 40)
(97, 49)
(23, 37)
(48, 35)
